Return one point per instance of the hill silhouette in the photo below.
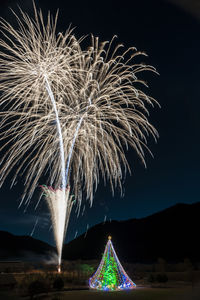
(171, 234)
(23, 247)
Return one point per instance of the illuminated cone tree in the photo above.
(110, 274)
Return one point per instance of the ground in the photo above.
(137, 294)
(187, 293)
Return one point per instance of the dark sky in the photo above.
(170, 34)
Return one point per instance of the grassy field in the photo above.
(137, 294)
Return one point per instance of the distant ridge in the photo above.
(23, 247)
(172, 234)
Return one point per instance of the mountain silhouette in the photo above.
(23, 247)
(171, 234)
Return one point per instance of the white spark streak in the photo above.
(33, 230)
(60, 209)
(62, 154)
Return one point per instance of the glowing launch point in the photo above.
(110, 275)
(59, 269)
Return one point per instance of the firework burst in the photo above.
(99, 108)
(68, 113)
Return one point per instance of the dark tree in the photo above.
(151, 278)
(58, 284)
(162, 278)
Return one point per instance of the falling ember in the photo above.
(60, 204)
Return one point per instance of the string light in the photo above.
(110, 275)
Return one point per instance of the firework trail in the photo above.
(62, 155)
(83, 211)
(33, 230)
(75, 234)
(104, 221)
(58, 200)
(86, 231)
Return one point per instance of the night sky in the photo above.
(170, 34)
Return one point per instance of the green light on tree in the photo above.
(110, 274)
